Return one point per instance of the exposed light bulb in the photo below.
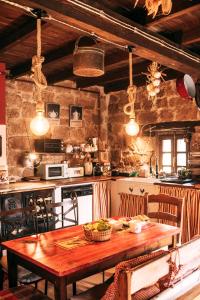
(132, 128)
(39, 125)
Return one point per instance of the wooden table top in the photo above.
(42, 250)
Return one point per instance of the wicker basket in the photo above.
(98, 236)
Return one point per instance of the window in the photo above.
(173, 153)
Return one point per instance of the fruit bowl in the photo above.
(99, 231)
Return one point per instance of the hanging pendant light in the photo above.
(39, 125)
(131, 128)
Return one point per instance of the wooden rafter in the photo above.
(10, 38)
(157, 24)
(64, 51)
(88, 20)
(138, 80)
(114, 75)
(191, 36)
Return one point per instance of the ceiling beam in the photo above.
(120, 73)
(11, 37)
(138, 81)
(51, 56)
(192, 36)
(113, 60)
(156, 24)
(65, 74)
(91, 16)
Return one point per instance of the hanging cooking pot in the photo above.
(197, 96)
(88, 60)
(185, 86)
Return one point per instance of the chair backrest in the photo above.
(152, 277)
(17, 222)
(165, 209)
(62, 214)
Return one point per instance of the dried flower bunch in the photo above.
(152, 6)
(154, 77)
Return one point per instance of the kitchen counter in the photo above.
(155, 181)
(24, 186)
(191, 185)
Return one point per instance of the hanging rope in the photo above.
(131, 91)
(37, 76)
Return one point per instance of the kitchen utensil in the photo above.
(88, 168)
(185, 87)
(88, 60)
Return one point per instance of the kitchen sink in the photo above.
(176, 180)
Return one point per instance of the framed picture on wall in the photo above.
(53, 111)
(75, 116)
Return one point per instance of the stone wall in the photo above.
(20, 108)
(103, 117)
(168, 107)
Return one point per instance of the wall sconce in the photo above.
(131, 128)
(39, 125)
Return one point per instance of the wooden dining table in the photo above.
(64, 256)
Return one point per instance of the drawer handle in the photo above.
(131, 189)
(142, 191)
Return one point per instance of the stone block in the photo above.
(28, 110)
(147, 117)
(12, 113)
(25, 86)
(161, 102)
(14, 100)
(18, 143)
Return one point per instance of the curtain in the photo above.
(191, 210)
(131, 205)
(101, 199)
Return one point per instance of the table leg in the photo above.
(174, 241)
(60, 289)
(12, 270)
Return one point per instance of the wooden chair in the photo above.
(162, 274)
(16, 222)
(60, 215)
(166, 209)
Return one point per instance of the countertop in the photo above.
(152, 180)
(24, 186)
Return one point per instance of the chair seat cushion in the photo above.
(24, 275)
(22, 293)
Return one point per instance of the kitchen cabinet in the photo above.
(131, 185)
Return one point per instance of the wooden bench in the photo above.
(185, 261)
(154, 278)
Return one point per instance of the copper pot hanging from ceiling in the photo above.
(88, 60)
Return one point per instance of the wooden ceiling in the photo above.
(173, 40)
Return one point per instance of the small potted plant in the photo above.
(184, 173)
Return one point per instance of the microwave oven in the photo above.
(53, 171)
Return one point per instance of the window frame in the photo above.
(173, 137)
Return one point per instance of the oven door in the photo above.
(55, 172)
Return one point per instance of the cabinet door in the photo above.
(84, 209)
